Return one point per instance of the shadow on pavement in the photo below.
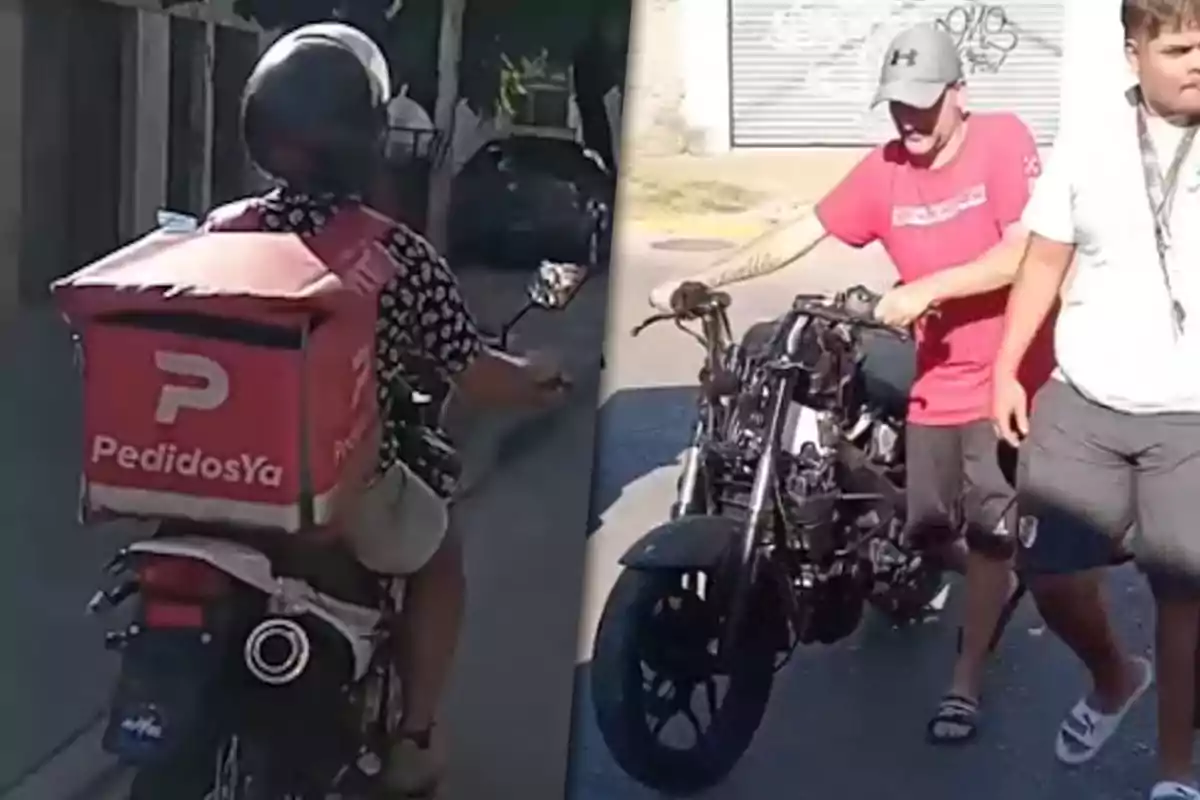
(638, 430)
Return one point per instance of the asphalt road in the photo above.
(845, 721)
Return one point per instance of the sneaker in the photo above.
(415, 764)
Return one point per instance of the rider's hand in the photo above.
(545, 370)
(903, 305)
(660, 297)
(1010, 409)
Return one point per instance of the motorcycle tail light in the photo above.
(160, 614)
(181, 578)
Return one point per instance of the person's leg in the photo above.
(1167, 546)
(991, 535)
(933, 492)
(1075, 495)
(426, 643)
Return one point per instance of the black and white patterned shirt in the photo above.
(425, 336)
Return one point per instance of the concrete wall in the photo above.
(679, 70)
(678, 80)
(85, 130)
(1094, 69)
(654, 89)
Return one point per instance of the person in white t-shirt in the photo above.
(1110, 456)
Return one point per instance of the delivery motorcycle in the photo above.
(255, 665)
(787, 522)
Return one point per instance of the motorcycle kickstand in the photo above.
(1006, 615)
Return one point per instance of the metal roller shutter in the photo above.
(804, 71)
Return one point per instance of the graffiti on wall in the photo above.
(983, 35)
(842, 38)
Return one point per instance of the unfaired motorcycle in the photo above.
(255, 665)
(787, 524)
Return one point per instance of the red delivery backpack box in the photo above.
(228, 375)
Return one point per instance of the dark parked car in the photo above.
(524, 199)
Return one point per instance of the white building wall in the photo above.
(688, 70)
(1094, 69)
(704, 32)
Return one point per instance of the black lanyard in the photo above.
(1160, 193)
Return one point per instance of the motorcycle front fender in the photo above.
(687, 543)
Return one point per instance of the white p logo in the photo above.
(212, 394)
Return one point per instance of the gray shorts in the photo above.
(1099, 482)
(960, 480)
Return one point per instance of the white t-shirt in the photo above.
(1115, 338)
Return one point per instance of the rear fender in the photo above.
(252, 568)
(687, 543)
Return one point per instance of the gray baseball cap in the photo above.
(918, 66)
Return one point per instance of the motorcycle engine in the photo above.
(829, 585)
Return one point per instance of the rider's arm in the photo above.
(1014, 164)
(437, 325)
(851, 212)
(1047, 260)
(778, 247)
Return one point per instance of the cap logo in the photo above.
(909, 57)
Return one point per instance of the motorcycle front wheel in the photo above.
(655, 651)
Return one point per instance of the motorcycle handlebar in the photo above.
(690, 300)
(652, 320)
(820, 310)
(856, 307)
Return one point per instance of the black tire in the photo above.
(156, 783)
(627, 626)
(193, 779)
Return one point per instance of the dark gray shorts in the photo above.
(960, 479)
(1099, 481)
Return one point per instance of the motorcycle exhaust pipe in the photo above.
(277, 651)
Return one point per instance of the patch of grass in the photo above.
(647, 197)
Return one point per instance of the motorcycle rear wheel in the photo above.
(230, 774)
(651, 616)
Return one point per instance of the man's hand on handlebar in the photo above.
(660, 296)
(546, 371)
(903, 305)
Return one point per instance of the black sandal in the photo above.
(959, 714)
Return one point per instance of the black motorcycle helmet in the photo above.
(314, 110)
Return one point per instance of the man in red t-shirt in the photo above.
(944, 199)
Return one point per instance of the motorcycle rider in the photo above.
(944, 199)
(314, 118)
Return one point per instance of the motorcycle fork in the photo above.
(688, 499)
(745, 565)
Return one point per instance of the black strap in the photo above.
(1160, 193)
